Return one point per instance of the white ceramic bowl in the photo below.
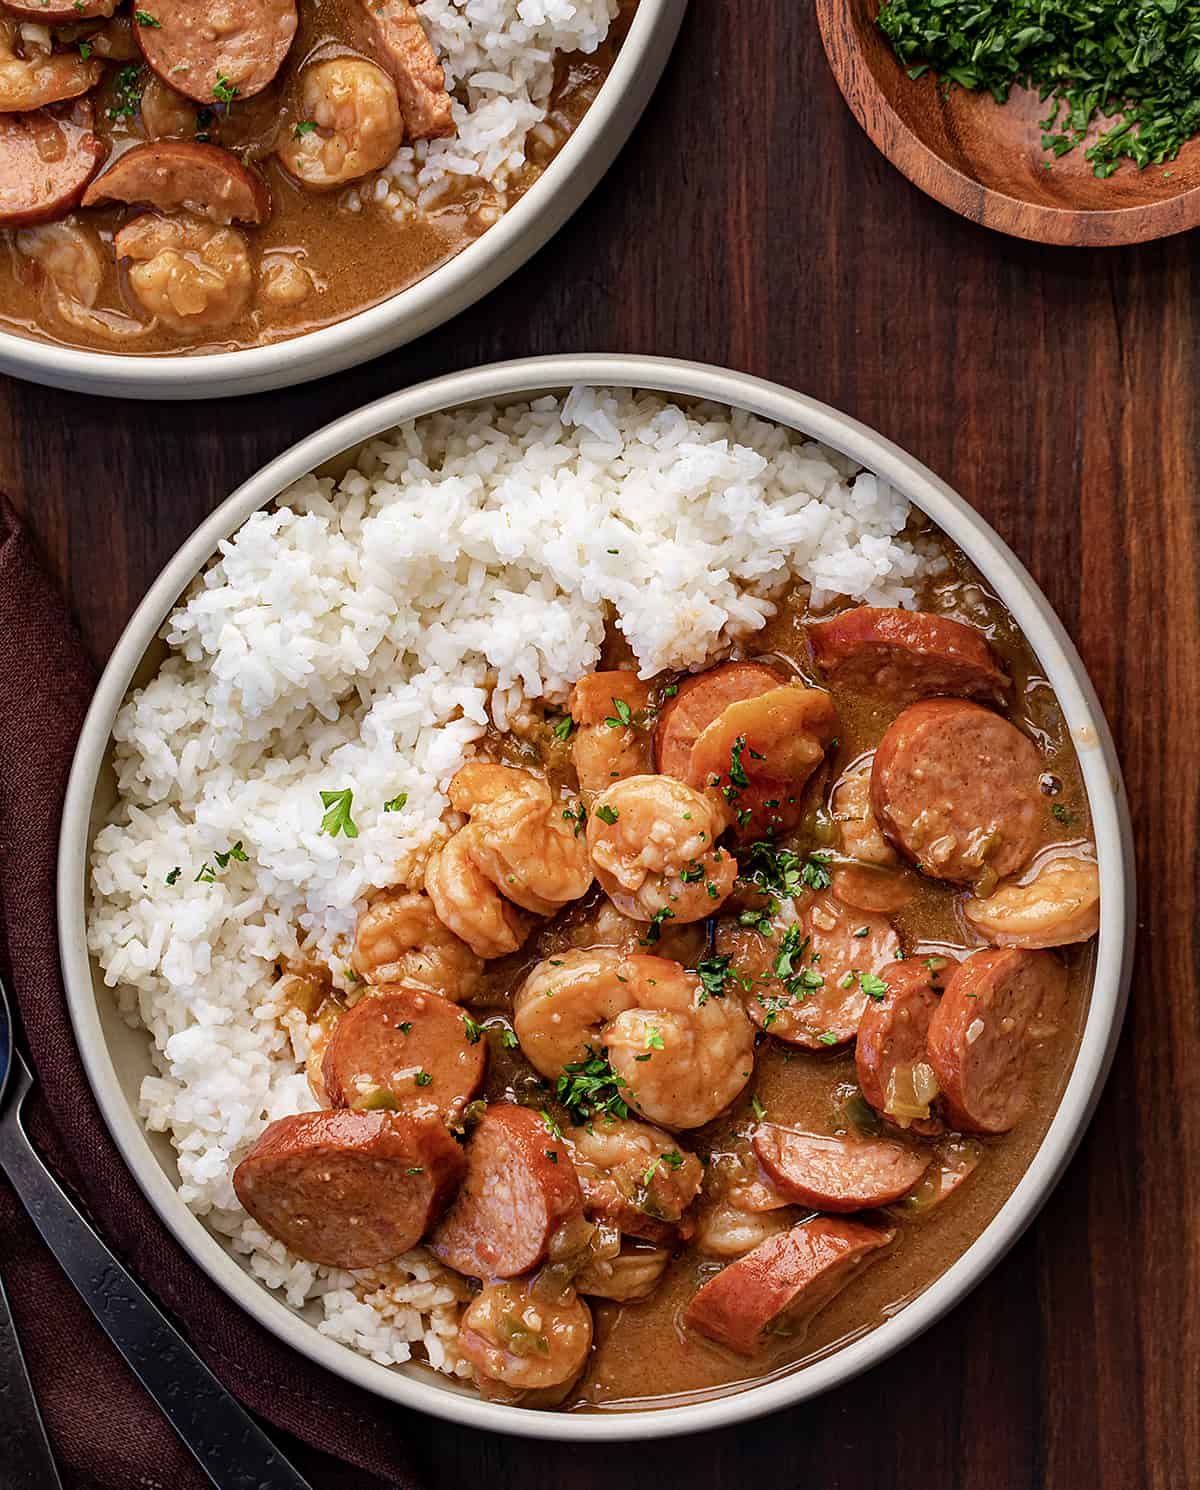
(467, 277)
(117, 1057)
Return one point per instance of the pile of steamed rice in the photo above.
(356, 637)
(498, 58)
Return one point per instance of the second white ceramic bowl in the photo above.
(117, 1057)
(467, 277)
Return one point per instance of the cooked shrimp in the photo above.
(189, 273)
(653, 845)
(723, 1230)
(634, 1273)
(1060, 905)
(527, 842)
(349, 123)
(850, 804)
(70, 258)
(524, 1342)
(400, 939)
(32, 75)
(683, 1056)
(612, 738)
(633, 1175)
(468, 904)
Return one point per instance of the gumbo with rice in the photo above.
(713, 1008)
(208, 175)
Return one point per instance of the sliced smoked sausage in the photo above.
(700, 700)
(520, 1188)
(60, 12)
(955, 788)
(997, 1007)
(906, 655)
(398, 38)
(410, 1045)
(46, 160)
(349, 1189)
(890, 1049)
(836, 1174)
(783, 1282)
(217, 50)
(169, 174)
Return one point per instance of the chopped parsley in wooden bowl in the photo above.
(1054, 121)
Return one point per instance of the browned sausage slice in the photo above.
(997, 1005)
(413, 1046)
(700, 700)
(181, 173)
(891, 1041)
(215, 50)
(907, 655)
(520, 1188)
(46, 160)
(349, 1189)
(783, 1282)
(837, 1174)
(955, 788)
(60, 12)
(406, 52)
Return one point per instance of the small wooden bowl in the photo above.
(986, 161)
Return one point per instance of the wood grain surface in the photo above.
(750, 222)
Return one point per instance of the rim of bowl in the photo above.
(411, 312)
(1064, 670)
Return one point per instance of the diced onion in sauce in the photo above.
(911, 1088)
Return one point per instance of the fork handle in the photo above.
(28, 1462)
(228, 1445)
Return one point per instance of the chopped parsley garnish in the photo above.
(406, 1027)
(85, 49)
(1124, 66)
(774, 870)
(791, 949)
(654, 1041)
(654, 930)
(396, 803)
(760, 1111)
(713, 973)
(562, 730)
(553, 1128)
(737, 772)
(670, 690)
(607, 814)
(508, 1039)
(127, 93)
(551, 1154)
(174, 875)
(337, 817)
(829, 1037)
(692, 872)
(576, 815)
(423, 1078)
(872, 986)
(474, 1031)
(590, 1088)
(815, 875)
(1060, 812)
(624, 715)
(303, 127)
(206, 875)
(236, 852)
(672, 1159)
(759, 921)
(415, 1169)
(224, 90)
(144, 18)
(863, 931)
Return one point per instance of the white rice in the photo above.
(357, 636)
(498, 57)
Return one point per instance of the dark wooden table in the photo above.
(750, 223)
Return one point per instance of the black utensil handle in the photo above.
(27, 1463)
(228, 1445)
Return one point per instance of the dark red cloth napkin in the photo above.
(106, 1433)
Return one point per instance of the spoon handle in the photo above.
(226, 1442)
(30, 1464)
